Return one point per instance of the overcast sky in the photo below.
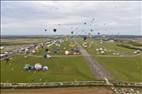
(106, 17)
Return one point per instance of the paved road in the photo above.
(96, 68)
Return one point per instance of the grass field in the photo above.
(126, 66)
(61, 68)
(66, 45)
(21, 41)
(123, 68)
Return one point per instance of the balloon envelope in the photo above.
(91, 30)
(45, 30)
(38, 66)
(54, 30)
(84, 38)
(45, 68)
(26, 67)
(72, 32)
(85, 23)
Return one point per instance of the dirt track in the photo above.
(97, 69)
(71, 90)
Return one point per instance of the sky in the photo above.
(105, 17)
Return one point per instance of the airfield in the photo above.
(71, 59)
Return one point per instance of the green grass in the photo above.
(20, 41)
(125, 68)
(60, 69)
(68, 68)
(110, 46)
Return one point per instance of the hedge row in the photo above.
(129, 46)
(68, 84)
(53, 84)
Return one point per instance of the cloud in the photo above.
(110, 16)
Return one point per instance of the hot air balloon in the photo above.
(98, 33)
(45, 30)
(85, 23)
(72, 32)
(45, 68)
(38, 66)
(46, 50)
(84, 38)
(91, 30)
(54, 30)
